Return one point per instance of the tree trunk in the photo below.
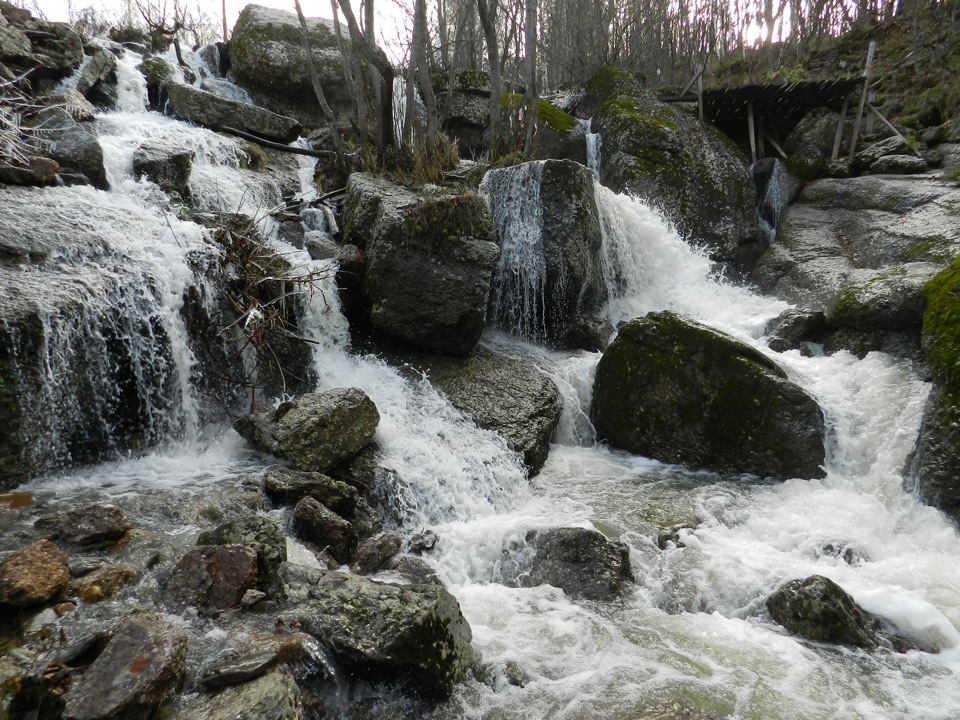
(531, 98)
(315, 81)
(487, 21)
(423, 63)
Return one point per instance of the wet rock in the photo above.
(157, 72)
(238, 670)
(809, 145)
(410, 635)
(204, 108)
(509, 396)
(872, 153)
(321, 526)
(581, 562)
(274, 696)
(888, 299)
(91, 525)
(371, 555)
(76, 150)
(34, 575)
(97, 80)
(899, 165)
(37, 171)
(793, 327)
(416, 571)
(588, 333)
(563, 281)
(671, 535)
(674, 390)
(422, 542)
(316, 431)
(76, 105)
(47, 51)
(142, 665)
(677, 164)
(213, 577)
(169, 166)
(286, 486)
(266, 538)
(103, 583)
(818, 609)
(430, 260)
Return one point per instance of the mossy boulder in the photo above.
(430, 260)
(809, 145)
(412, 636)
(936, 465)
(679, 392)
(697, 178)
(888, 299)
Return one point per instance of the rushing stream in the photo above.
(693, 627)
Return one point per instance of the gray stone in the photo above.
(52, 50)
(375, 553)
(92, 525)
(38, 171)
(78, 107)
(157, 72)
(73, 147)
(274, 696)
(315, 431)
(582, 563)
(266, 538)
(287, 487)
(96, 69)
(898, 165)
(215, 112)
(213, 577)
(34, 575)
(793, 327)
(870, 154)
(169, 166)
(319, 525)
(411, 635)
(809, 145)
(238, 670)
(429, 262)
(141, 666)
(416, 571)
(888, 299)
(679, 392)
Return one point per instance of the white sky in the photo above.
(59, 10)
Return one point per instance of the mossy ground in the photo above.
(550, 115)
(941, 331)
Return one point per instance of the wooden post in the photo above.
(863, 98)
(700, 94)
(775, 144)
(891, 127)
(838, 138)
(753, 134)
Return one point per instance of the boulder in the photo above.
(898, 165)
(410, 635)
(287, 486)
(581, 562)
(157, 72)
(78, 107)
(317, 430)
(167, 165)
(37, 171)
(871, 153)
(267, 61)
(415, 570)
(103, 583)
(213, 577)
(34, 575)
(429, 262)
(142, 665)
(266, 538)
(888, 299)
(204, 108)
(48, 51)
(317, 524)
(77, 151)
(274, 696)
(809, 146)
(97, 79)
(375, 553)
(549, 271)
(793, 327)
(699, 180)
(91, 525)
(676, 391)
(507, 395)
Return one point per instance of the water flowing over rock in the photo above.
(686, 169)
(167, 165)
(34, 575)
(75, 149)
(274, 696)
(411, 635)
(267, 60)
(142, 665)
(582, 563)
(315, 431)
(549, 273)
(679, 392)
(429, 262)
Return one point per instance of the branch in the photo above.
(278, 146)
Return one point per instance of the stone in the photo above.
(274, 696)
(74, 148)
(373, 554)
(157, 72)
(286, 486)
(266, 538)
(541, 289)
(809, 145)
(103, 583)
(887, 299)
(37, 171)
(873, 152)
(684, 168)
(204, 108)
(317, 430)
(509, 396)
(676, 391)
(92, 525)
(321, 526)
(898, 165)
(416, 571)
(37, 574)
(430, 261)
(99, 69)
(213, 577)
(169, 166)
(76, 105)
(52, 50)
(141, 666)
(413, 636)
(581, 562)
(588, 332)
(793, 327)
(238, 670)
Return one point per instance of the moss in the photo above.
(440, 220)
(550, 115)
(608, 82)
(941, 330)
(806, 167)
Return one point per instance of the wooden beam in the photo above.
(775, 144)
(863, 98)
(753, 135)
(838, 138)
(895, 131)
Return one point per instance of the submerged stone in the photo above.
(581, 562)
(679, 392)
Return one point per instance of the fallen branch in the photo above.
(278, 146)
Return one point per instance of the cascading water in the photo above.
(773, 183)
(693, 627)
(594, 146)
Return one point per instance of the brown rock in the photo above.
(37, 574)
(321, 526)
(103, 583)
(91, 525)
(373, 554)
(214, 577)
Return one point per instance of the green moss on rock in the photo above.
(941, 329)
(550, 115)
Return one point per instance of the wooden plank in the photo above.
(863, 98)
(890, 125)
(775, 144)
(838, 138)
(753, 135)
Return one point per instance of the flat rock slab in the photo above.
(215, 112)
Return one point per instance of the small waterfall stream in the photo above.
(693, 627)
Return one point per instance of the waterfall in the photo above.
(594, 143)
(773, 185)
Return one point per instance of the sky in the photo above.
(59, 10)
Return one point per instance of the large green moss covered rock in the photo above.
(413, 636)
(679, 392)
(936, 465)
(696, 177)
